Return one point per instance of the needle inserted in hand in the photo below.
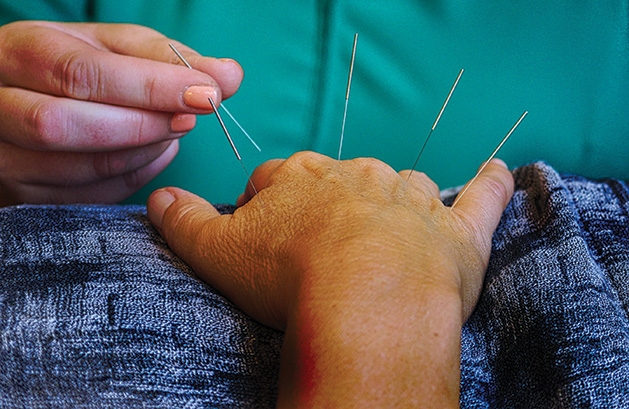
(231, 143)
(467, 186)
(434, 125)
(349, 85)
(187, 64)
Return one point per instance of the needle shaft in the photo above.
(187, 64)
(493, 154)
(231, 143)
(347, 90)
(434, 125)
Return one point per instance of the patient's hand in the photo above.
(370, 276)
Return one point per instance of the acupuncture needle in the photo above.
(467, 186)
(222, 123)
(434, 125)
(349, 85)
(231, 143)
(187, 64)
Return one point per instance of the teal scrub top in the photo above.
(565, 62)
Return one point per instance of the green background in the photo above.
(565, 62)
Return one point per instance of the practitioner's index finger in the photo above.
(130, 81)
(63, 63)
(149, 44)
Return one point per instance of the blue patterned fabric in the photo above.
(551, 329)
(96, 311)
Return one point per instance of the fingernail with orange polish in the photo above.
(183, 122)
(197, 97)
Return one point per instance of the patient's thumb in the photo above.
(179, 215)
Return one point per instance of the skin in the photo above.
(370, 276)
(92, 112)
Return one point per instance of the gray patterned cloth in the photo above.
(551, 329)
(96, 311)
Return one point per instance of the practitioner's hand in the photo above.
(92, 112)
(370, 276)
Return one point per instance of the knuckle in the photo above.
(423, 179)
(370, 164)
(181, 48)
(47, 124)
(303, 161)
(133, 181)
(76, 77)
(366, 162)
(420, 175)
(151, 89)
(304, 158)
(105, 165)
(372, 168)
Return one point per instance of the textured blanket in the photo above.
(96, 311)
